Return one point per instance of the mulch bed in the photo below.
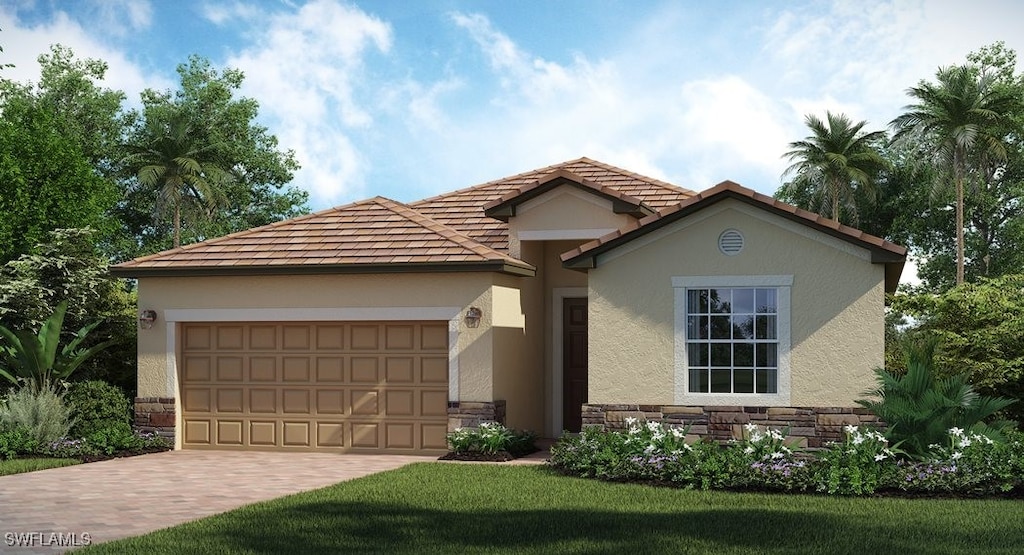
(122, 454)
(477, 456)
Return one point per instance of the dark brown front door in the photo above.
(574, 362)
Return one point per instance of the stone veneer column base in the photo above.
(811, 426)
(470, 414)
(155, 414)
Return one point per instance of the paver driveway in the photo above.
(131, 496)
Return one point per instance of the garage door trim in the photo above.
(420, 313)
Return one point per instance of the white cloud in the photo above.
(23, 44)
(305, 69)
(223, 13)
(122, 17)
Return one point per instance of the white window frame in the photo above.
(783, 285)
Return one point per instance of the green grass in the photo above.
(17, 466)
(451, 508)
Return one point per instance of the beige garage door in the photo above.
(359, 386)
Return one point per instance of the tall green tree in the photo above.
(58, 147)
(832, 164)
(224, 133)
(962, 117)
(179, 170)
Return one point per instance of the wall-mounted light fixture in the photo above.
(147, 318)
(473, 316)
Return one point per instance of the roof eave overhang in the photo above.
(500, 266)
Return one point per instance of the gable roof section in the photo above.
(374, 235)
(505, 207)
(463, 209)
(882, 251)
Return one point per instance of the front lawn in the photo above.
(17, 466)
(454, 508)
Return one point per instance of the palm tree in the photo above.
(959, 116)
(834, 161)
(180, 171)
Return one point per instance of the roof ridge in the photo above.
(444, 230)
(641, 177)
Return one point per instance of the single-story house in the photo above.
(572, 295)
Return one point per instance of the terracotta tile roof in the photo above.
(462, 209)
(882, 251)
(504, 207)
(367, 234)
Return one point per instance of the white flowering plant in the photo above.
(857, 465)
(491, 438)
(968, 462)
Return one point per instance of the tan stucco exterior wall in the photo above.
(837, 324)
(475, 345)
(518, 345)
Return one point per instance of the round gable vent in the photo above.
(730, 242)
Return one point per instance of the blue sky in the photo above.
(408, 99)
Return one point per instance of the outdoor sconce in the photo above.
(473, 316)
(147, 318)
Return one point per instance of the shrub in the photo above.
(919, 408)
(16, 441)
(42, 413)
(491, 438)
(97, 405)
(114, 438)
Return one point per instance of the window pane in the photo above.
(767, 355)
(765, 327)
(721, 380)
(696, 327)
(743, 380)
(697, 353)
(698, 381)
(721, 300)
(743, 354)
(721, 354)
(697, 301)
(766, 381)
(721, 327)
(743, 327)
(766, 302)
(742, 301)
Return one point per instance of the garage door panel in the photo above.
(398, 370)
(197, 399)
(330, 434)
(197, 368)
(263, 369)
(434, 370)
(295, 401)
(364, 337)
(330, 369)
(229, 432)
(229, 369)
(434, 403)
(263, 433)
(230, 338)
(399, 337)
(399, 403)
(339, 386)
(229, 400)
(366, 435)
(263, 338)
(330, 401)
(364, 402)
(365, 369)
(296, 369)
(329, 337)
(296, 434)
(197, 432)
(263, 401)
